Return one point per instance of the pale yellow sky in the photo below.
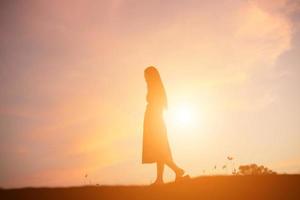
(72, 95)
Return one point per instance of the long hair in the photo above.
(156, 91)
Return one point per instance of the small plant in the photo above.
(254, 169)
(234, 172)
(85, 179)
(231, 159)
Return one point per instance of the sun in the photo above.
(182, 116)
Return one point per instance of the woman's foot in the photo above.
(158, 182)
(179, 174)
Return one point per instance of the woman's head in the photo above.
(152, 75)
(156, 90)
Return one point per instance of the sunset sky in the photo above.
(72, 92)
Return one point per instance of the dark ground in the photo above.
(213, 187)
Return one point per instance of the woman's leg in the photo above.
(172, 165)
(160, 172)
(178, 171)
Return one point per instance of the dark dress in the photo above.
(155, 140)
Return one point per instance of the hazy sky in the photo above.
(72, 93)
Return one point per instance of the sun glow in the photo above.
(183, 116)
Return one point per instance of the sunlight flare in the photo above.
(183, 115)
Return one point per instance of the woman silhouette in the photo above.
(156, 147)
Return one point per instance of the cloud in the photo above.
(245, 38)
(264, 34)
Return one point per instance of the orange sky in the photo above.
(72, 94)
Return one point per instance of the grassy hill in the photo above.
(211, 187)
